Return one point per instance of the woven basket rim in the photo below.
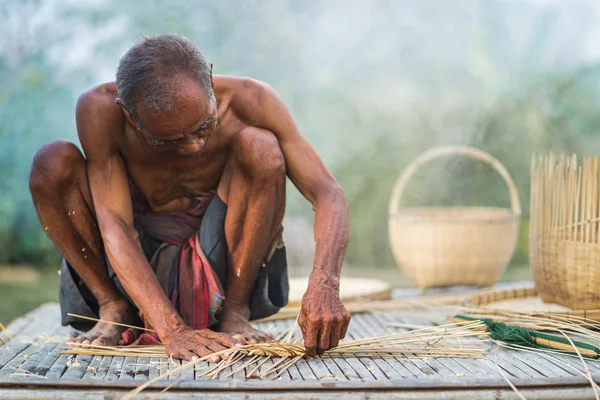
(502, 214)
(496, 295)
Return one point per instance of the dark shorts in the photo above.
(270, 291)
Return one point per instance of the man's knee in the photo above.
(56, 165)
(258, 152)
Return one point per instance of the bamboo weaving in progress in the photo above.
(565, 230)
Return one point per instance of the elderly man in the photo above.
(174, 212)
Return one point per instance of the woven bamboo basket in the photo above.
(564, 239)
(446, 246)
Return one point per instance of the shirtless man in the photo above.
(178, 201)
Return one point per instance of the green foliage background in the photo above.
(371, 84)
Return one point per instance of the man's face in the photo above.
(187, 131)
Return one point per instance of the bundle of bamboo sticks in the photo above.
(437, 341)
(565, 230)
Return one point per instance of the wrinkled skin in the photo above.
(323, 318)
(105, 334)
(191, 344)
(241, 144)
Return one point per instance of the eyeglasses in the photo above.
(205, 131)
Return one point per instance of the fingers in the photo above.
(188, 356)
(336, 333)
(216, 347)
(324, 336)
(345, 324)
(310, 333)
(224, 339)
(203, 351)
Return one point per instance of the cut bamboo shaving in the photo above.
(110, 322)
(3, 329)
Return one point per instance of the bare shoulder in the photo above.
(246, 97)
(99, 119)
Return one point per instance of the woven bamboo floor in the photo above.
(32, 367)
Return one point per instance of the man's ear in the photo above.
(126, 112)
(212, 84)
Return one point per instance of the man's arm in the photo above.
(97, 120)
(323, 319)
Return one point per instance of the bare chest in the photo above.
(164, 183)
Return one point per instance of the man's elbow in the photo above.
(333, 196)
(113, 230)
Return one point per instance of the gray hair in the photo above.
(145, 73)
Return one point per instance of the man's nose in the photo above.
(190, 147)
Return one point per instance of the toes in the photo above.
(99, 342)
(267, 337)
(251, 339)
(239, 338)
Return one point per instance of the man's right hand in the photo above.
(190, 344)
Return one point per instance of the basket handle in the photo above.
(437, 152)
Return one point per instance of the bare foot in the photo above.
(104, 334)
(236, 322)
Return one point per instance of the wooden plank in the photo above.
(17, 360)
(349, 372)
(155, 365)
(187, 373)
(42, 358)
(142, 369)
(77, 367)
(92, 368)
(305, 371)
(281, 327)
(58, 367)
(274, 329)
(295, 373)
(558, 360)
(463, 393)
(114, 370)
(27, 369)
(540, 364)
(358, 368)
(129, 368)
(239, 364)
(102, 369)
(174, 364)
(335, 369)
(47, 362)
(10, 351)
(378, 321)
(200, 368)
(399, 369)
(479, 368)
(508, 362)
(29, 324)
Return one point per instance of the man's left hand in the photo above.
(323, 318)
